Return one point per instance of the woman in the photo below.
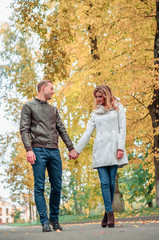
(109, 146)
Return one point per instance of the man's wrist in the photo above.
(70, 148)
(28, 149)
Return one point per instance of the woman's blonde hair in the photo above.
(109, 99)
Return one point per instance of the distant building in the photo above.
(6, 211)
(25, 213)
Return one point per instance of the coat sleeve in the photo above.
(25, 122)
(86, 136)
(122, 128)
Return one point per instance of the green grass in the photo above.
(98, 217)
(125, 214)
(24, 224)
(80, 218)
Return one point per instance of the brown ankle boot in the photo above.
(110, 221)
(104, 220)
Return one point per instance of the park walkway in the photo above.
(124, 230)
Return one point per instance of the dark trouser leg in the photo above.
(39, 182)
(54, 167)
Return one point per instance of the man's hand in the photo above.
(73, 154)
(120, 153)
(31, 157)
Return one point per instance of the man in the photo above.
(40, 125)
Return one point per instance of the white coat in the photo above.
(110, 136)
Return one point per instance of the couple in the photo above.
(40, 126)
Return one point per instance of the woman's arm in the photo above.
(86, 136)
(122, 128)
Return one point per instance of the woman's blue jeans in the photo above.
(107, 177)
(47, 159)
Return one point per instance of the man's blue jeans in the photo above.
(107, 177)
(47, 159)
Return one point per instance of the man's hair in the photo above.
(43, 83)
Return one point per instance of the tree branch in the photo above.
(139, 101)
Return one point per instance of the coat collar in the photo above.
(102, 110)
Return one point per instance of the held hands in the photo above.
(73, 154)
(120, 153)
(31, 157)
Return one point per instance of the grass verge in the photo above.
(93, 217)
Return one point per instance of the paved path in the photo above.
(141, 230)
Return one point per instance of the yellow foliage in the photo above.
(84, 44)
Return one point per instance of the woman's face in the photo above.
(99, 98)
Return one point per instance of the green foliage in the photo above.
(137, 183)
(17, 216)
(19, 176)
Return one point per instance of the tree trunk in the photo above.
(37, 216)
(93, 42)
(30, 210)
(154, 107)
(154, 112)
(75, 203)
(149, 202)
(118, 203)
(150, 205)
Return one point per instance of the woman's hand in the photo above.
(120, 153)
(73, 154)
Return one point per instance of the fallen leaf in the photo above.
(144, 222)
(135, 225)
(119, 225)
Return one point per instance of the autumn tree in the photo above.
(153, 106)
(20, 177)
(19, 80)
(86, 43)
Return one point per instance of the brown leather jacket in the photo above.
(40, 125)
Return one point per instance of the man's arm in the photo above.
(63, 133)
(25, 122)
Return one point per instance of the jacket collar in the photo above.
(41, 101)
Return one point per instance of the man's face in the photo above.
(48, 91)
